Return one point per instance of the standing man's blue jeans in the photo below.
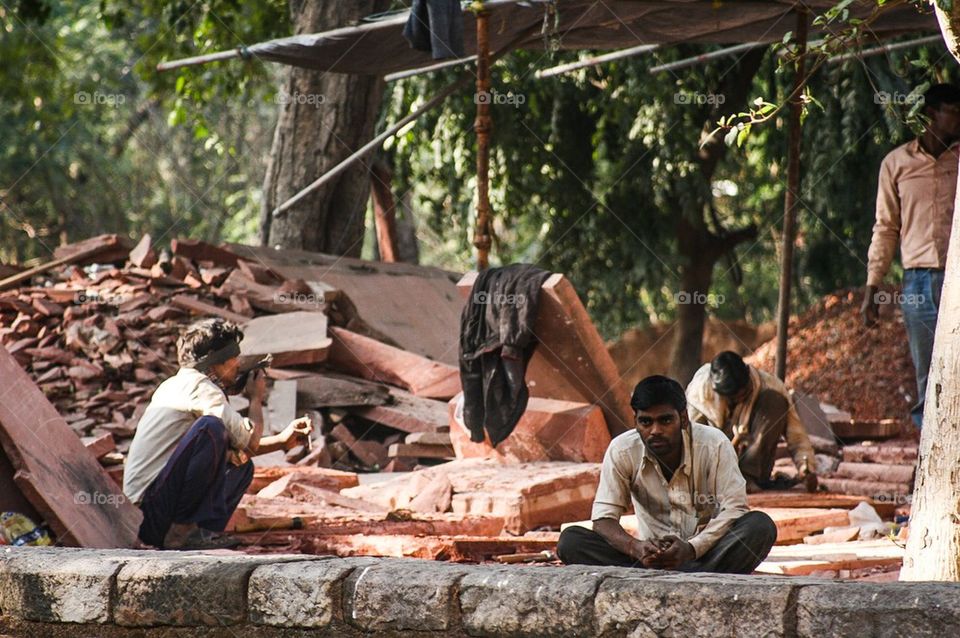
(920, 304)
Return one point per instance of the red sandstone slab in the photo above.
(55, 472)
(376, 361)
(549, 430)
(317, 476)
(406, 412)
(526, 495)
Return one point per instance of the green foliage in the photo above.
(89, 148)
(590, 172)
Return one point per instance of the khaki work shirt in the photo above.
(699, 503)
(175, 405)
(704, 405)
(914, 208)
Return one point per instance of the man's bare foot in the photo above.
(752, 487)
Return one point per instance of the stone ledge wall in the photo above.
(117, 593)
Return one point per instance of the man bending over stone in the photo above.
(189, 462)
(755, 410)
(687, 492)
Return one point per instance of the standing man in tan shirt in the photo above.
(915, 196)
(685, 488)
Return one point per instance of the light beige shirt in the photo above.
(914, 208)
(704, 405)
(175, 405)
(701, 501)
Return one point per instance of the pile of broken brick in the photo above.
(369, 350)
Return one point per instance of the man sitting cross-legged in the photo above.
(687, 492)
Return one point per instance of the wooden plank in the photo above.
(281, 406)
(420, 451)
(800, 560)
(823, 500)
(882, 491)
(415, 308)
(101, 248)
(294, 338)
(55, 472)
(376, 361)
(883, 453)
(571, 362)
(407, 413)
(204, 309)
(885, 429)
(330, 390)
(104, 247)
(882, 472)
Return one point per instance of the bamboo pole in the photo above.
(704, 57)
(886, 48)
(483, 125)
(370, 146)
(791, 197)
(594, 60)
(409, 73)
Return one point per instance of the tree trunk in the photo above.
(324, 117)
(933, 548)
(696, 276)
(384, 211)
(699, 247)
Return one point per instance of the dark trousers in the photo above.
(768, 424)
(197, 485)
(920, 304)
(739, 551)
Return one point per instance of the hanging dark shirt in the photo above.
(497, 340)
(436, 26)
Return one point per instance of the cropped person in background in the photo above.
(915, 193)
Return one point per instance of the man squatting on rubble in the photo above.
(687, 491)
(754, 410)
(189, 462)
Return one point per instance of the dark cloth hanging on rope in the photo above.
(436, 26)
(496, 342)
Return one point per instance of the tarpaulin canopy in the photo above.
(378, 47)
